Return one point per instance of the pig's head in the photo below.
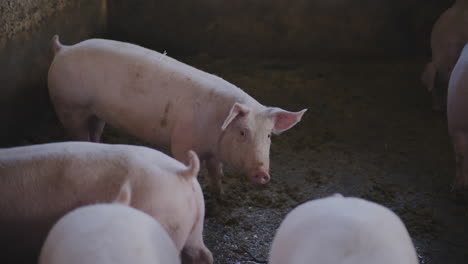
(246, 137)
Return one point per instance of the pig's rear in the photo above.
(342, 230)
(108, 234)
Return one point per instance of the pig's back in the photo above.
(73, 170)
(53, 157)
(342, 230)
(97, 233)
(57, 173)
(116, 60)
(74, 173)
(70, 159)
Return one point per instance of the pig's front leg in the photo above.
(196, 254)
(215, 173)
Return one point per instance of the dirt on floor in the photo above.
(369, 132)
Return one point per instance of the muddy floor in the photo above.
(369, 132)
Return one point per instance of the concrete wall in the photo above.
(280, 28)
(26, 28)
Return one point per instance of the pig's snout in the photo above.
(260, 177)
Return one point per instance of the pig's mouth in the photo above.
(260, 177)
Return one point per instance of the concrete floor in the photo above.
(369, 132)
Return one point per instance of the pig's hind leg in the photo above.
(460, 148)
(95, 126)
(215, 173)
(76, 122)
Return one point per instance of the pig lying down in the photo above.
(41, 183)
(449, 35)
(165, 102)
(342, 230)
(108, 234)
(457, 118)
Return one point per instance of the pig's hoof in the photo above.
(217, 191)
(197, 256)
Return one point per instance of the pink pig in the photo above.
(449, 35)
(165, 102)
(41, 183)
(108, 234)
(342, 230)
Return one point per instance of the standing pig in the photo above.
(457, 117)
(342, 230)
(41, 183)
(165, 102)
(108, 234)
(449, 35)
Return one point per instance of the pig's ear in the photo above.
(236, 110)
(125, 195)
(283, 119)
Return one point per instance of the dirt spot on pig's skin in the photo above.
(173, 228)
(136, 75)
(212, 95)
(164, 121)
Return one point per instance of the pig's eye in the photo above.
(269, 135)
(242, 133)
